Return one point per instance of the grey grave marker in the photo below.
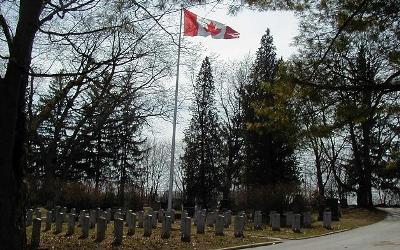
(147, 224)
(59, 222)
(118, 230)
(228, 218)
(296, 223)
(276, 222)
(132, 224)
(219, 225)
(201, 221)
(85, 227)
(166, 227)
(186, 229)
(49, 219)
(327, 222)
(35, 241)
(140, 219)
(307, 219)
(71, 224)
(258, 220)
(101, 229)
(29, 215)
(238, 226)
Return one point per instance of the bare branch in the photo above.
(48, 32)
(157, 20)
(64, 8)
(341, 29)
(387, 86)
(7, 33)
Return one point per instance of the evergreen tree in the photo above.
(201, 157)
(269, 154)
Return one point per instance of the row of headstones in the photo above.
(291, 220)
(148, 223)
(53, 214)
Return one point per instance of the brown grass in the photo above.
(351, 218)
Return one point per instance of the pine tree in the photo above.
(269, 156)
(201, 157)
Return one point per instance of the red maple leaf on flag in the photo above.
(212, 29)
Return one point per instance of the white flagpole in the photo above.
(171, 170)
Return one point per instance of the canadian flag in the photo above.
(199, 26)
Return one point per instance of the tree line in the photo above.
(336, 101)
(80, 79)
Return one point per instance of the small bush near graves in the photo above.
(278, 197)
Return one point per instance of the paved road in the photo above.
(383, 235)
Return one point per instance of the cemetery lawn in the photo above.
(49, 240)
(351, 218)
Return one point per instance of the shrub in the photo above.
(267, 198)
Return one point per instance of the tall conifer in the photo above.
(201, 157)
(269, 156)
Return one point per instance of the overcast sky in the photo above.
(251, 25)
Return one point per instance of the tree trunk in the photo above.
(320, 183)
(98, 165)
(12, 127)
(49, 188)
